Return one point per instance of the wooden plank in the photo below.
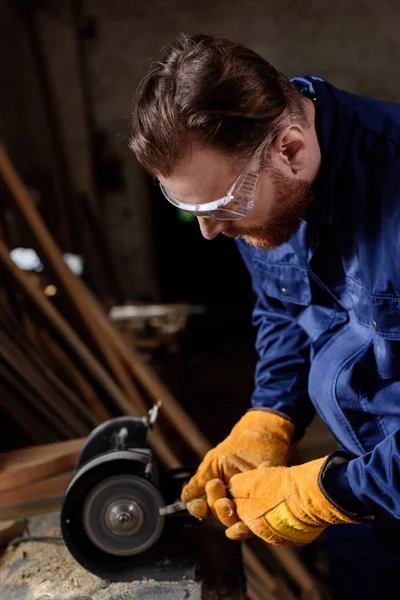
(52, 256)
(5, 297)
(77, 378)
(171, 408)
(9, 378)
(297, 571)
(256, 590)
(260, 572)
(25, 465)
(33, 499)
(66, 333)
(13, 403)
(75, 291)
(34, 380)
(25, 345)
(10, 294)
(60, 325)
(158, 442)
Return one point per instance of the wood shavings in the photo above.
(48, 568)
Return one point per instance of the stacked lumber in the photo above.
(69, 370)
(33, 480)
(64, 369)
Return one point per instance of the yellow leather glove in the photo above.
(281, 505)
(259, 437)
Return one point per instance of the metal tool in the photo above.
(111, 508)
(172, 508)
(178, 506)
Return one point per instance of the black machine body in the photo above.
(110, 516)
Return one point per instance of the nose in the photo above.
(210, 227)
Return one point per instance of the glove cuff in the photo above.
(272, 411)
(276, 423)
(307, 500)
(298, 432)
(335, 461)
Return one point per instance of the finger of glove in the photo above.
(238, 531)
(240, 485)
(199, 508)
(197, 484)
(215, 490)
(226, 512)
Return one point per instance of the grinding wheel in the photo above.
(121, 515)
(110, 517)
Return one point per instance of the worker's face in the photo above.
(281, 204)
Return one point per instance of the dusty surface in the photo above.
(47, 571)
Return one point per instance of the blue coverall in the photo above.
(328, 319)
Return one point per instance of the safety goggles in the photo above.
(238, 201)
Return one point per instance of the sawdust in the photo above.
(47, 568)
(47, 571)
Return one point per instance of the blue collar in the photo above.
(327, 127)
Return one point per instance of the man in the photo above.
(306, 178)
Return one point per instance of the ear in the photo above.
(291, 146)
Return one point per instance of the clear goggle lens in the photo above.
(235, 205)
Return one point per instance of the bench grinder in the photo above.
(110, 517)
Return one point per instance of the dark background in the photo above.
(68, 72)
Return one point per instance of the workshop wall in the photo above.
(120, 189)
(347, 42)
(353, 44)
(23, 126)
(22, 115)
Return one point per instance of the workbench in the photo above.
(210, 570)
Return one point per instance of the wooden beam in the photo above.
(35, 498)
(62, 328)
(36, 382)
(42, 368)
(75, 290)
(10, 379)
(52, 256)
(297, 571)
(15, 404)
(25, 465)
(86, 391)
(171, 408)
(251, 561)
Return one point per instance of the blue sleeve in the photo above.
(281, 378)
(374, 478)
(370, 484)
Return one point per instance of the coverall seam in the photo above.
(320, 354)
(334, 390)
(393, 297)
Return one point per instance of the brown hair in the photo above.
(209, 90)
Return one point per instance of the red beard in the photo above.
(291, 201)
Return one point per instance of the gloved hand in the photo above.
(281, 505)
(259, 437)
